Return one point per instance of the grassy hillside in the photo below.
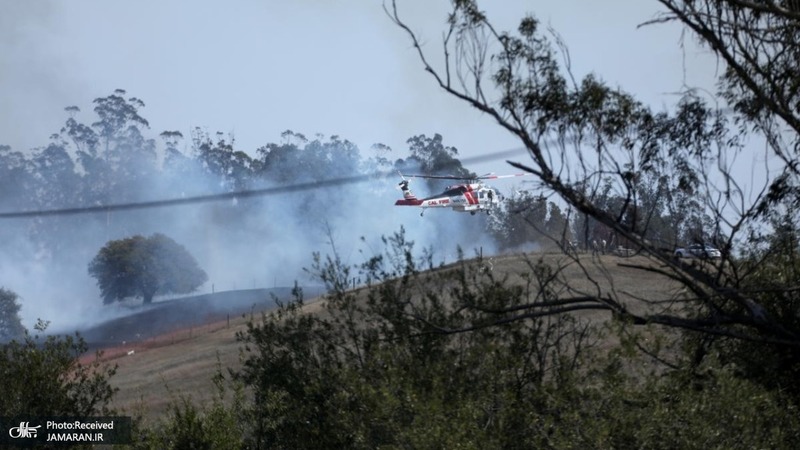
(183, 362)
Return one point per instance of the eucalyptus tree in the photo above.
(435, 158)
(588, 142)
(122, 158)
(230, 168)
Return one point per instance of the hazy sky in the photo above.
(257, 68)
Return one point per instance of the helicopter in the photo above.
(470, 196)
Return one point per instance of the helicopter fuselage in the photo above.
(462, 197)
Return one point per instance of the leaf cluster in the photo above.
(426, 359)
(44, 376)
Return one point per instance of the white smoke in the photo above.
(259, 242)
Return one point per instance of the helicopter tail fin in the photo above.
(409, 199)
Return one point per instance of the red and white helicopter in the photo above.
(471, 196)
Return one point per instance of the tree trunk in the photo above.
(148, 297)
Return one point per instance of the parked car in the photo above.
(698, 251)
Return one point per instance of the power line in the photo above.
(248, 193)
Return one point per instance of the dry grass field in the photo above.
(163, 369)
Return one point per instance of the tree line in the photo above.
(113, 158)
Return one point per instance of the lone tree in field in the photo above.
(141, 267)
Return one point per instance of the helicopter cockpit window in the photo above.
(453, 192)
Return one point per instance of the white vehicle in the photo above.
(698, 251)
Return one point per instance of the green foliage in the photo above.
(141, 267)
(373, 370)
(10, 323)
(400, 365)
(673, 410)
(771, 266)
(44, 376)
(222, 425)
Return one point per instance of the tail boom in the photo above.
(408, 202)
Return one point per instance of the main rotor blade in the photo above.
(438, 177)
(488, 176)
(494, 177)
